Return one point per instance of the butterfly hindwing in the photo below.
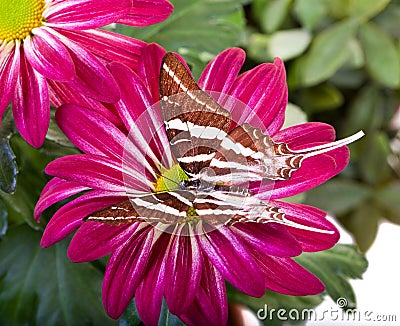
(164, 207)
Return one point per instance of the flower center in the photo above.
(19, 17)
(170, 179)
(191, 217)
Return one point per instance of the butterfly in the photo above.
(220, 158)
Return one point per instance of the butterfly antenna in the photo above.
(320, 149)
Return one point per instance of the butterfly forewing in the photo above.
(195, 123)
(246, 154)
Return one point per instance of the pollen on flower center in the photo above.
(191, 217)
(19, 17)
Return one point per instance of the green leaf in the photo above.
(335, 267)
(389, 19)
(381, 56)
(338, 8)
(130, 316)
(203, 26)
(42, 287)
(168, 319)
(388, 198)
(31, 180)
(3, 220)
(365, 112)
(373, 164)
(360, 9)
(257, 47)
(349, 79)
(338, 196)
(55, 134)
(8, 165)
(294, 115)
(274, 14)
(320, 98)
(356, 54)
(284, 44)
(363, 224)
(310, 12)
(326, 55)
(288, 44)
(365, 9)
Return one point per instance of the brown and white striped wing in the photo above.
(217, 208)
(166, 207)
(226, 208)
(246, 154)
(195, 123)
(212, 208)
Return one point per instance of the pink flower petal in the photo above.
(310, 132)
(147, 12)
(94, 240)
(71, 215)
(184, 258)
(85, 14)
(109, 46)
(233, 260)
(142, 120)
(54, 191)
(92, 171)
(285, 276)
(63, 93)
(31, 106)
(263, 89)
(135, 98)
(311, 217)
(80, 124)
(210, 306)
(48, 56)
(313, 172)
(221, 72)
(9, 72)
(92, 77)
(149, 294)
(125, 270)
(272, 239)
(149, 69)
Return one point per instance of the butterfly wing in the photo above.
(197, 128)
(246, 154)
(222, 207)
(165, 207)
(195, 123)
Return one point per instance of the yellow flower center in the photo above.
(19, 17)
(169, 181)
(191, 217)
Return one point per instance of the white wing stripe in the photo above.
(203, 132)
(158, 207)
(196, 158)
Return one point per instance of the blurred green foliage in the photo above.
(343, 68)
(343, 65)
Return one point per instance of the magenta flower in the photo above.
(46, 45)
(183, 262)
